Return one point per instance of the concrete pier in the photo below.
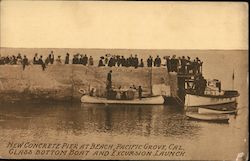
(62, 82)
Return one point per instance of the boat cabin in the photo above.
(203, 87)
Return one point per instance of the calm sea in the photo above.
(80, 123)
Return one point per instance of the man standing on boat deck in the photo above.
(140, 92)
(109, 83)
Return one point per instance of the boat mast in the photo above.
(233, 80)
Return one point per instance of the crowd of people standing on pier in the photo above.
(131, 61)
(183, 65)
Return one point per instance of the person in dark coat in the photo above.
(203, 85)
(195, 66)
(78, 57)
(106, 60)
(218, 85)
(168, 64)
(100, 64)
(183, 65)
(19, 58)
(14, 60)
(127, 62)
(188, 64)
(136, 62)
(85, 60)
(174, 64)
(24, 61)
(67, 59)
(111, 62)
(109, 77)
(81, 59)
(1, 60)
(74, 60)
(141, 64)
(150, 61)
(6, 60)
(157, 61)
(199, 65)
(40, 61)
(51, 57)
(47, 61)
(119, 61)
(109, 84)
(123, 61)
(140, 92)
(91, 61)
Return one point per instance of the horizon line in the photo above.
(112, 48)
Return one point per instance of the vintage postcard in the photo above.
(123, 80)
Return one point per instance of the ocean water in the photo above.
(83, 123)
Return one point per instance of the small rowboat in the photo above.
(155, 100)
(211, 111)
(209, 117)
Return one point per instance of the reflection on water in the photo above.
(134, 124)
(81, 119)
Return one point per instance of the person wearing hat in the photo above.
(85, 60)
(140, 92)
(150, 61)
(123, 61)
(199, 64)
(24, 61)
(58, 60)
(174, 63)
(183, 65)
(168, 63)
(106, 60)
(81, 59)
(91, 61)
(51, 57)
(100, 64)
(40, 61)
(66, 59)
(157, 62)
(109, 84)
(188, 64)
(74, 60)
(136, 61)
(141, 64)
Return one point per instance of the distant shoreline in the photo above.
(123, 49)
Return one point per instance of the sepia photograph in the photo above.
(124, 80)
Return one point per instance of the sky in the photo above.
(124, 25)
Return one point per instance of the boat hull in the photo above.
(196, 100)
(212, 111)
(209, 117)
(156, 100)
(223, 107)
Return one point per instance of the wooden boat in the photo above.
(154, 100)
(211, 111)
(123, 96)
(223, 107)
(208, 117)
(192, 100)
